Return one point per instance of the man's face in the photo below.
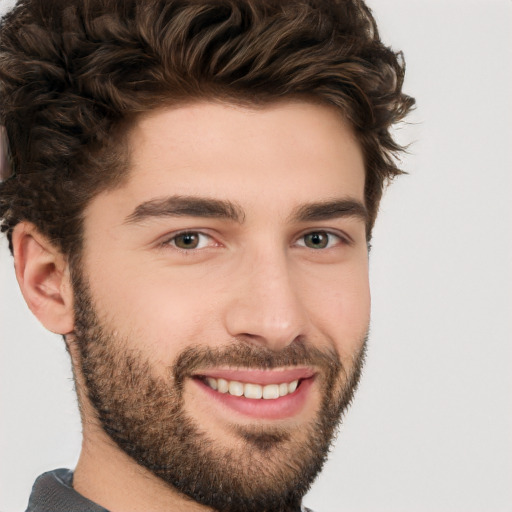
(222, 302)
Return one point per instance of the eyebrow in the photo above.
(332, 209)
(192, 206)
(186, 206)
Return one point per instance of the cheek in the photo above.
(163, 311)
(161, 315)
(339, 307)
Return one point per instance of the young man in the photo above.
(189, 192)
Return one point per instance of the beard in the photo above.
(264, 469)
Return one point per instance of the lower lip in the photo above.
(278, 408)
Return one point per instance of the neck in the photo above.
(110, 478)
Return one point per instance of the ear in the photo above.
(43, 276)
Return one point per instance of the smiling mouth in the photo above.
(252, 390)
(259, 394)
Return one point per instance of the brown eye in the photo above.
(316, 240)
(186, 240)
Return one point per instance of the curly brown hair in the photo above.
(75, 74)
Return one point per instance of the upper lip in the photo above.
(261, 377)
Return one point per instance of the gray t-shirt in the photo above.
(53, 492)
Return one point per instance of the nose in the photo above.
(265, 307)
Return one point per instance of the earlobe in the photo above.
(43, 276)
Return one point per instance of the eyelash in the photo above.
(172, 240)
(341, 240)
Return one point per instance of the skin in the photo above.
(254, 282)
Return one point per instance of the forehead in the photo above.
(280, 155)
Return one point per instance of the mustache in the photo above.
(242, 355)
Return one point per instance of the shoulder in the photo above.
(53, 492)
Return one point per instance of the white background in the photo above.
(431, 426)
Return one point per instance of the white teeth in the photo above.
(236, 388)
(212, 382)
(271, 391)
(222, 385)
(283, 389)
(253, 391)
